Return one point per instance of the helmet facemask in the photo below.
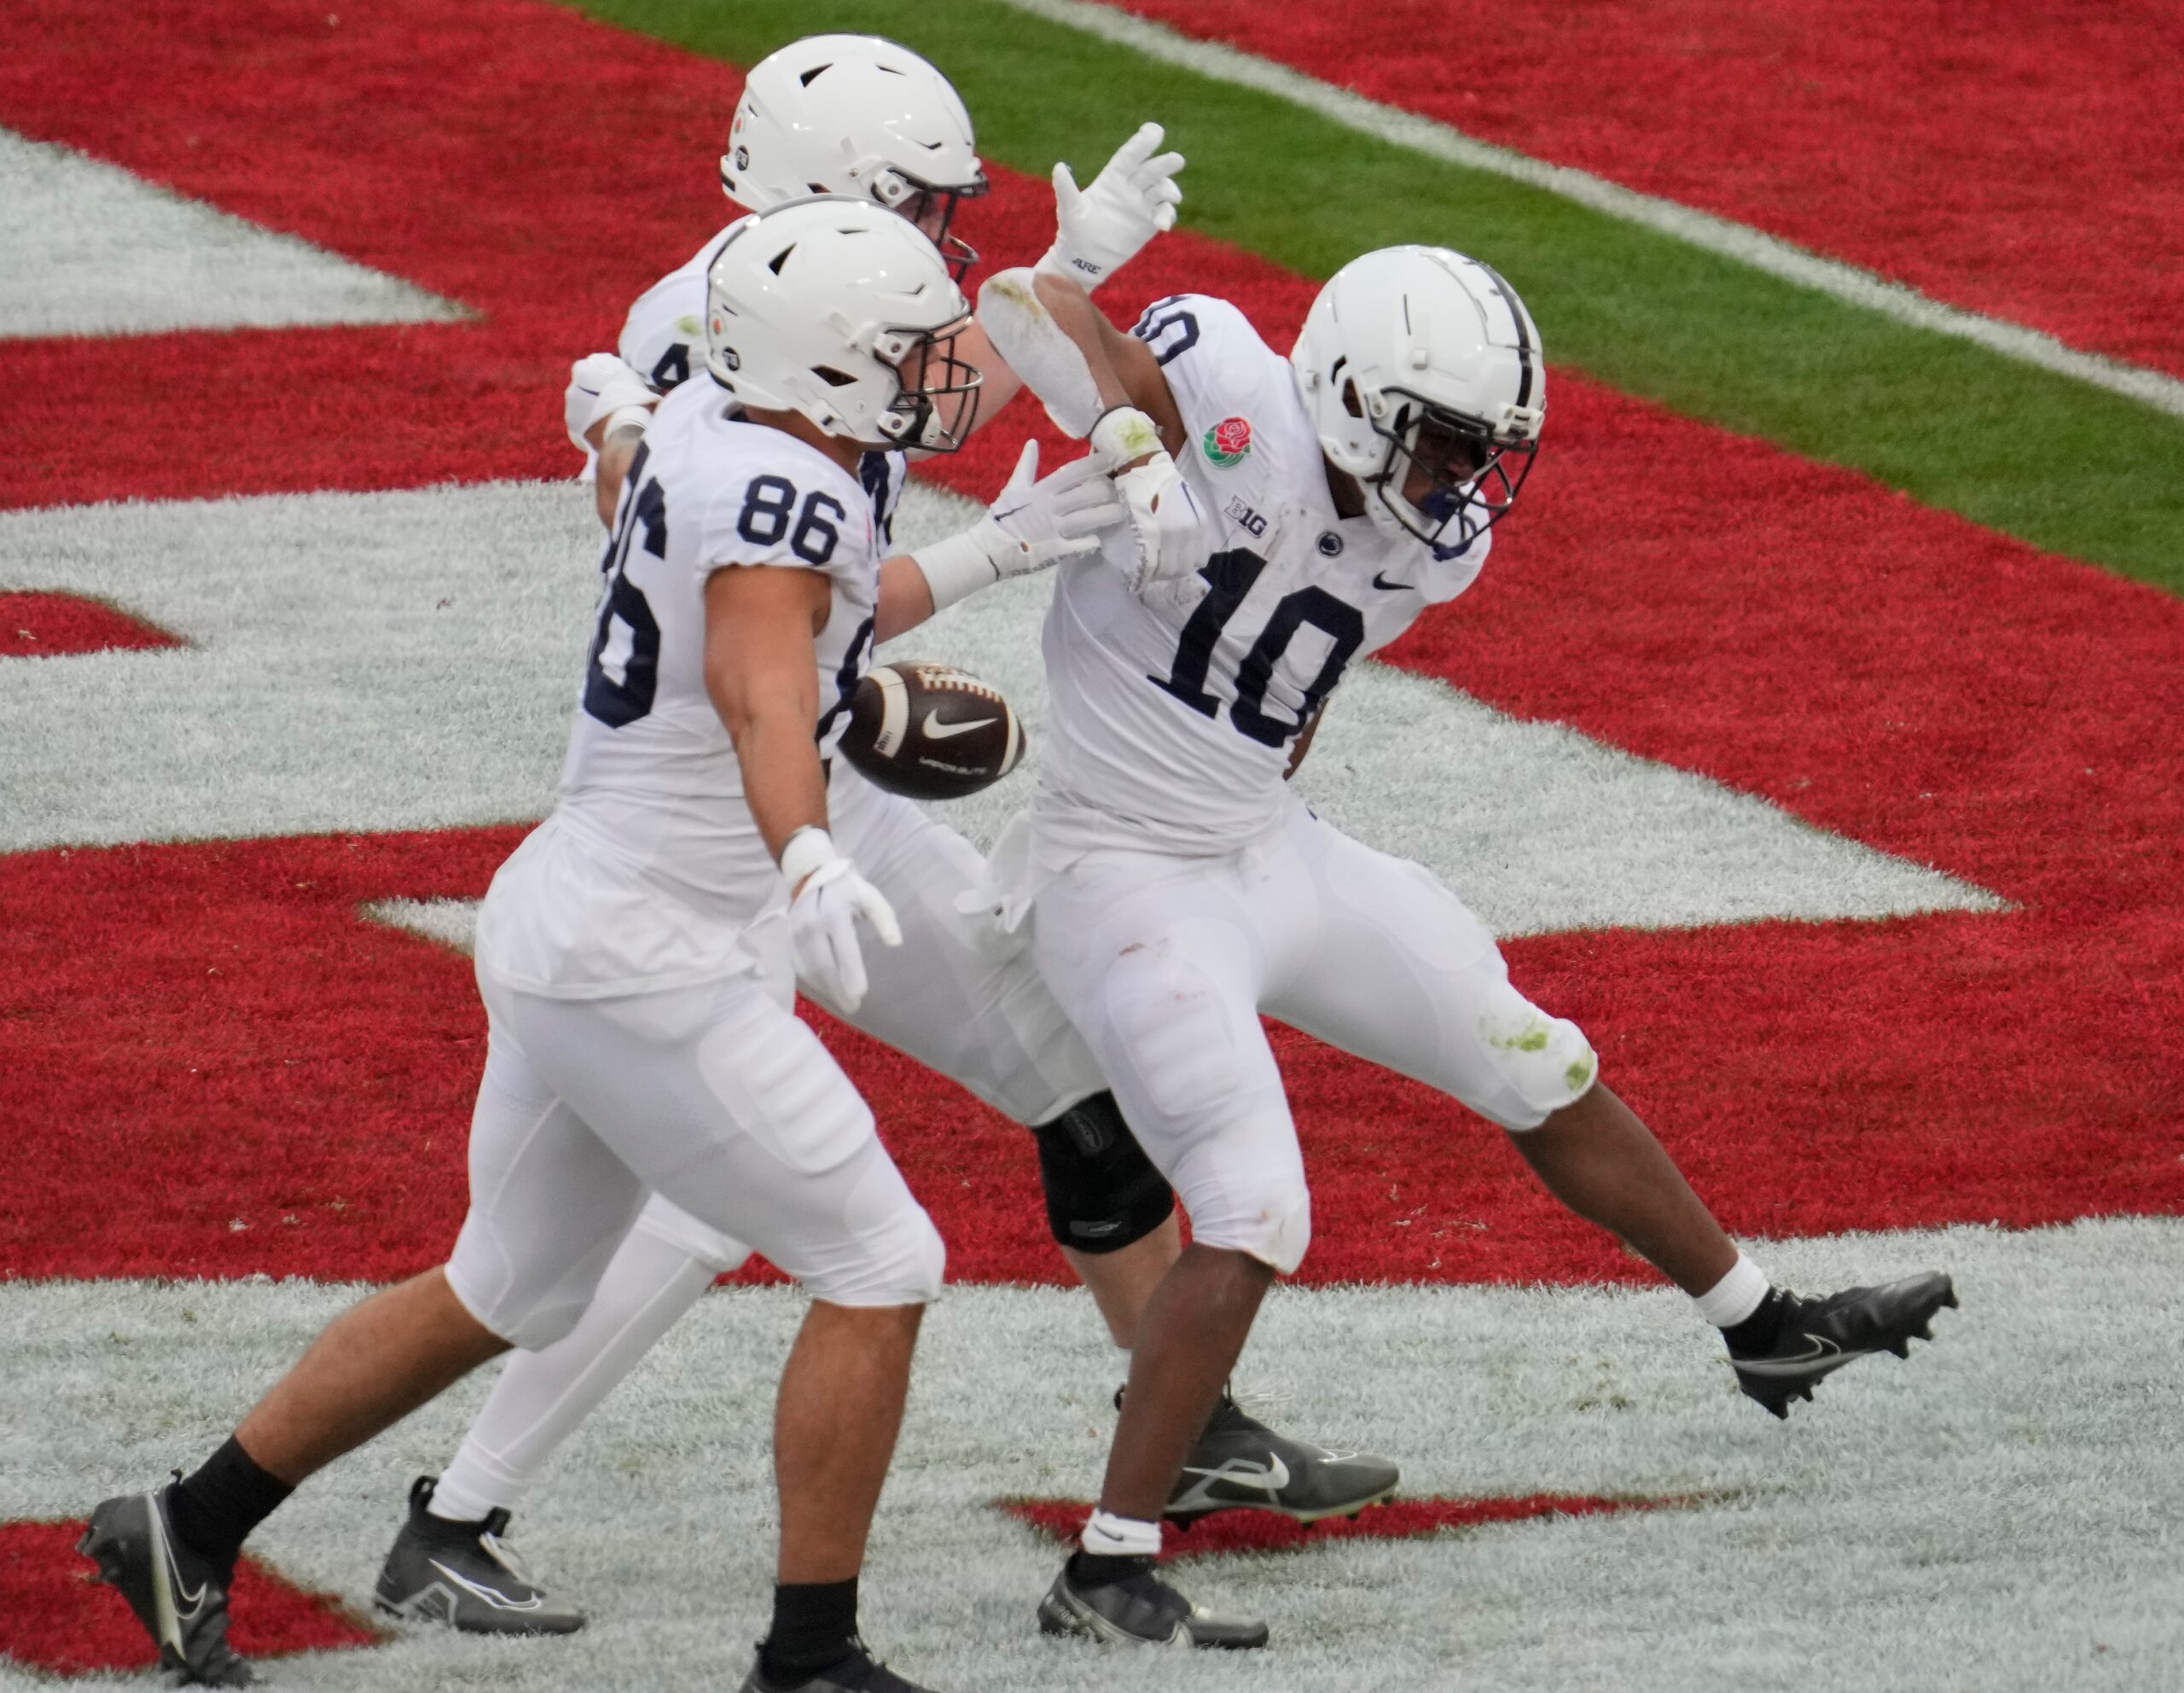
(932, 209)
(1472, 472)
(937, 401)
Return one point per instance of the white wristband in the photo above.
(958, 565)
(625, 417)
(809, 849)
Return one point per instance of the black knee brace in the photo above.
(1102, 1192)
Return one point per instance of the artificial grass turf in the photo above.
(2066, 466)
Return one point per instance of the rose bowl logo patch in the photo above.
(1228, 441)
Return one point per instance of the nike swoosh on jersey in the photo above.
(937, 730)
(1393, 587)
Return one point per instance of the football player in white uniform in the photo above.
(636, 953)
(867, 117)
(1290, 515)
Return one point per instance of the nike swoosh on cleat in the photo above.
(937, 730)
(499, 1601)
(167, 1584)
(1273, 1476)
(1826, 1354)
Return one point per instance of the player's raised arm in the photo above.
(1104, 387)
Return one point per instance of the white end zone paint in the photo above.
(1999, 1513)
(88, 248)
(410, 661)
(1721, 235)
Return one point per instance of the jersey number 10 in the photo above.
(1230, 576)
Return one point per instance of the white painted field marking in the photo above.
(410, 660)
(1739, 241)
(88, 248)
(1997, 1513)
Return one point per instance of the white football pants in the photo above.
(948, 996)
(1165, 964)
(716, 1097)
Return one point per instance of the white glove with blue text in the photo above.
(1163, 513)
(1036, 524)
(827, 898)
(1101, 228)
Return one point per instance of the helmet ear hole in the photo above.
(1350, 400)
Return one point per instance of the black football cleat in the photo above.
(1141, 1610)
(1240, 1463)
(180, 1597)
(1819, 1336)
(465, 1575)
(859, 1673)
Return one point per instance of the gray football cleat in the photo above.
(180, 1597)
(1240, 1463)
(1141, 1610)
(1819, 1336)
(465, 1575)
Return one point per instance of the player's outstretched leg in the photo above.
(172, 1553)
(1189, 1337)
(1601, 1161)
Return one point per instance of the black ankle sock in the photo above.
(1759, 1331)
(214, 1510)
(1098, 1569)
(814, 1625)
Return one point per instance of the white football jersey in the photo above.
(664, 336)
(669, 862)
(1172, 717)
(663, 340)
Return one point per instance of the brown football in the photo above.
(930, 731)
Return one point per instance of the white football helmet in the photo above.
(1417, 358)
(832, 307)
(855, 114)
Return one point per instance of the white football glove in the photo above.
(1102, 228)
(1164, 513)
(828, 897)
(599, 385)
(1035, 524)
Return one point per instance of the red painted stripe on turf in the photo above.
(35, 625)
(1258, 1531)
(2024, 160)
(57, 1620)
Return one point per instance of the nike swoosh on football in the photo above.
(1273, 1476)
(937, 730)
